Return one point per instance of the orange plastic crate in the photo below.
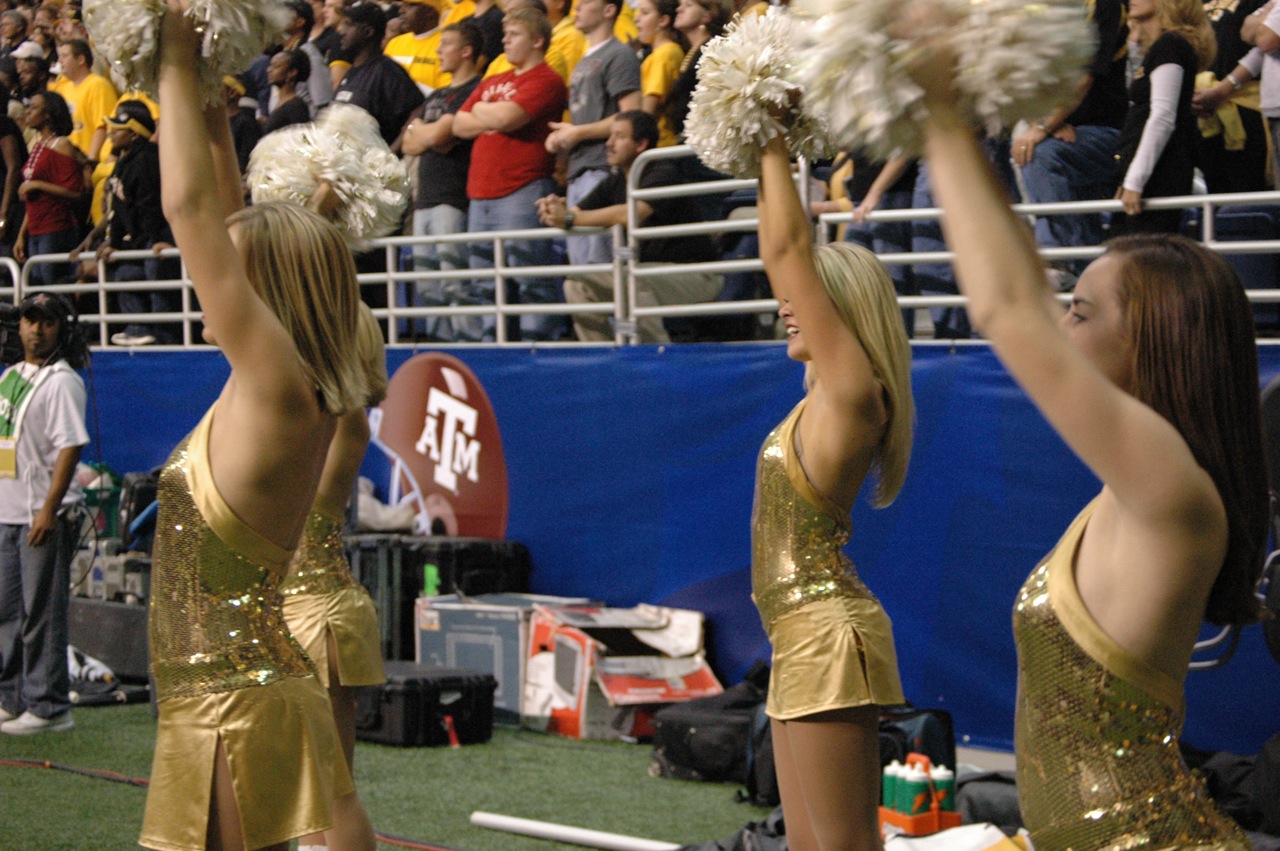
(932, 821)
(922, 825)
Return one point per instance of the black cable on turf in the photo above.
(114, 777)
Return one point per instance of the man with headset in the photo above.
(42, 432)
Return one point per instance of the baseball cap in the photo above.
(28, 50)
(367, 13)
(45, 306)
(132, 115)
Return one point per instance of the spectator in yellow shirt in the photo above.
(655, 26)
(458, 11)
(418, 49)
(90, 96)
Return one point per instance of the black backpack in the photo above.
(727, 739)
(718, 738)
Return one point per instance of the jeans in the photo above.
(890, 238)
(58, 242)
(597, 248)
(34, 596)
(434, 221)
(1083, 170)
(935, 278)
(1273, 127)
(511, 212)
(148, 301)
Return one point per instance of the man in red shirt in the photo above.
(508, 116)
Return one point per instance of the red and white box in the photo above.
(600, 673)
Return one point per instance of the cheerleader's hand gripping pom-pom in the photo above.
(747, 93)
(1014, 60)
(344, 150)
(233, 33)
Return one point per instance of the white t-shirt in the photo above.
(53, 420)
(1271, 69)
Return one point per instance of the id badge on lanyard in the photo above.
(8, 458)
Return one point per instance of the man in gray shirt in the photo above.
(605, 81)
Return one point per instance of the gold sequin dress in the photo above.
(322, 598)
(1097, 731)
(227, 670)
(832, 641)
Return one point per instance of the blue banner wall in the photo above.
(631, 476)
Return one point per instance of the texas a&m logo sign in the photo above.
(439, 430)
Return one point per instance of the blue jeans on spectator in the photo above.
(58, 242)
(148, 301)
(512, 212)
(1083, 170)
(597, 248)
(34, 596)
(890, 238)
(935, 278)
(434, 221)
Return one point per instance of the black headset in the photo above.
(70, 344)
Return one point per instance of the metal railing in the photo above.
(625, 269)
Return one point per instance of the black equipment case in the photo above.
(419, 703)
(393, 568)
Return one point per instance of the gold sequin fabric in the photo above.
(797, 534)
(1097, 731)
(215, 621)
(319, 565)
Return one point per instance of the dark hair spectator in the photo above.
(471, 36)
(303, 10)
(80, 47)
(631, 133)
(55, 106)
(53, 221)
(375, 82)
(299, 64)
(698, 21)
(644, 127)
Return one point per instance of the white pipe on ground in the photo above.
(564, 833)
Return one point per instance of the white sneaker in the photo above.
(6, 715)
(26, 724)
(123, 339)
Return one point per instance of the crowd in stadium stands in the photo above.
(528, 113)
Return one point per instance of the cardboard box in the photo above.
(488, 633)
(600, 673)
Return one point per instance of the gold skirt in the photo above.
(350, 616)
(286, 764)
(832, 654)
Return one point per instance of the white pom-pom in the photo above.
(1014, 59)
(233, 34)
(1019, 60)
(127, 32)
(745, 78)
(344, 148)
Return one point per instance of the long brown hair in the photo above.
(1189, 19)
(1195, 362)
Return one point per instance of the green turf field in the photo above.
(419, 793)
